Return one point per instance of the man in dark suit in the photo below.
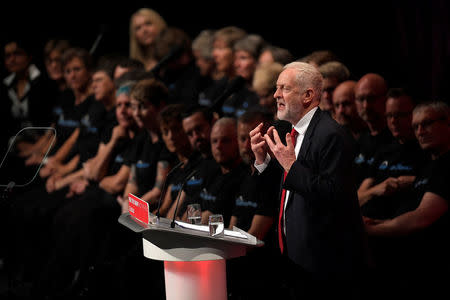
(320, 225)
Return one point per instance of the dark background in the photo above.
(408, 42)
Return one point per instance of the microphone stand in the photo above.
(172, 225)
(163, 192)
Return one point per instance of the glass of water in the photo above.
(216, 226)
(194, 213)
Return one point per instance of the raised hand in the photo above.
(284, 154)
(258, 144)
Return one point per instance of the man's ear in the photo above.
(309, 97)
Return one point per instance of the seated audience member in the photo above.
(30, 95)
(345, 108)
(99, 117)
(255, 205)
(53, 51)
(223, 175)
(197, 123)
(416, 250)
(177, 142)
(333, 73)
(223, 54)
(255, 209)
(202, 50)
(370, 100)
(145, 25)
(179, 73)
(264, 85)
(153, 161)
(246, 53)
(37, 207)
(27, 99)
(271, 54)
(396, 165)
(74, 102)
(77, 239)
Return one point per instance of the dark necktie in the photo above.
(294, 135)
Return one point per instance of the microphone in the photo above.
(172, 225)
(103, 29)
(163, 192)
(234, 85)
(174, 52)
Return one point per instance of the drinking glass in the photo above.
(216, 226)
(194, 213)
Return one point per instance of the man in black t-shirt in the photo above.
(221, 178)
(396, 165)
(255, 209)
(256, 202)
(197, 123)
(370, 96)
(416, 237)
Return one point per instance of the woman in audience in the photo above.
(145, 25)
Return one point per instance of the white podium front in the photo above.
(194, 262)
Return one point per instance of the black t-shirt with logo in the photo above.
(70, 116)
(368, 145)
(145, 156)
(393, 160)
(257, 197)
(218, 195)
(92, 127)
(208, 170)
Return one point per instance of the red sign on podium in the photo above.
(138, 208)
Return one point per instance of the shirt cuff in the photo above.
(264, 165)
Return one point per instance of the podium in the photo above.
(194, 261)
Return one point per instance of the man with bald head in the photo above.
(345, 112)
(222, 176)
(370, 99)
(319, 226)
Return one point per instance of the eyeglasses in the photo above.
(426, 123)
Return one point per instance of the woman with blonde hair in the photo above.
(145, 25)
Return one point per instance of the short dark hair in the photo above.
(205, 111)
(170, 113)
(130, 63)
(107, 65)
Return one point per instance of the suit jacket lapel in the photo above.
(306, 143)
(308, 134)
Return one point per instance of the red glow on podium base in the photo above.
(196, 280)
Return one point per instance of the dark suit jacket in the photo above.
(324, 230)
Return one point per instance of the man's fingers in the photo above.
(270, 131)
(259, 145)
(276, 137)
(256, 130)
(269, 142)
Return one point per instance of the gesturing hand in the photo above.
(284, 154)
(258, 144)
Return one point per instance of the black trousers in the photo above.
(306, 285)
